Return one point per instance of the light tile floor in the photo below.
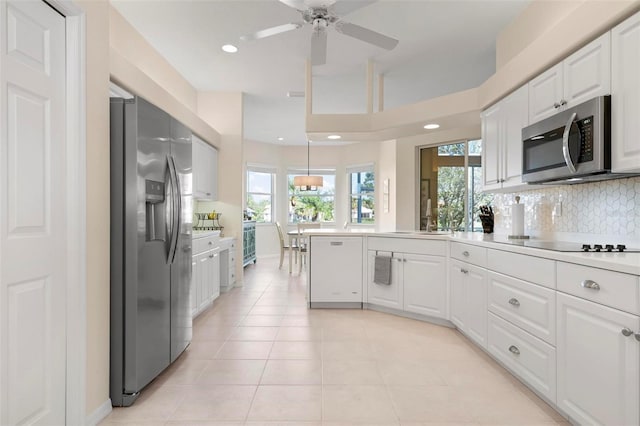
(260, 357)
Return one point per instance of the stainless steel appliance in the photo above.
(572, 146)
(151, 212)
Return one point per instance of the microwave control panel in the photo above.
(586, 139)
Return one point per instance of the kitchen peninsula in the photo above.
(554, 319)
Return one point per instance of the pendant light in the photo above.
(307, 183)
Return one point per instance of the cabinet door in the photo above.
(587, 73)
(458, 294)
(204, 282)
(391, 295)
(491, 136)
(598, 366)
(515, 115)
(425, 285)
(625, 96)
(476, 304)
(214, 277)
(545, 94)
(194, 286)
(335, 269)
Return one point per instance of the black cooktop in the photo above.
(566, 246)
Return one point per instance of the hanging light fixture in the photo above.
(307, 183)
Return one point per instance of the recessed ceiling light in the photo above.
(334, 137)
(280, 138)
(431, 126)
(229, 48)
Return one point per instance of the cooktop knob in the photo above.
(597, 247)
(586, 247)
(609, 247)
(621, 247)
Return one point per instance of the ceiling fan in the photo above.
(321, 14)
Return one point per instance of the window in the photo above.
(361, 195)
(260, 194)
(451, 176)
(312, 206)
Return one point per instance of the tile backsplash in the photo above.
(602, 208)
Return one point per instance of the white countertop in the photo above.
(203, 234)
(621, 262)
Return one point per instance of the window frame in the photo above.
(299, 171)
(252, 168)
(362, 168)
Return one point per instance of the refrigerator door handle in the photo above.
(174, 215)
(178, 203)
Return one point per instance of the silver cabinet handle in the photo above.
(464, 271)
(211, 256)
(336, 243)
(465, 253)
(397, 259)
(627, 332)
(563, 102)
(638, 337)
(556, 105)
(210, 243)
(514, 302)
(514, 350)
(590, 285)
(208, 193)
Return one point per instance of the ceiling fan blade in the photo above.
(271, 31)
(366, 35)
(296, 4)
(343, 7)
(319, 48)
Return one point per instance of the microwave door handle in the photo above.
(565, 144)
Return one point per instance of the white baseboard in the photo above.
(99, 414)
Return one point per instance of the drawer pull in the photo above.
(514, 302)
(627, 332)
(590, 285)
(336, 243)
(210, 243)
(465, 253)
(464, 271)
(638, 337)
(211, 256)
(514, 350)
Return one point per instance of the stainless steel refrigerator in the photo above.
(151, 214)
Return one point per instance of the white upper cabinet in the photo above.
(502, 141)
(625, 96)
(205, 170)
(580, 77)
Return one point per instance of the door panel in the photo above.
(425, 285)
(33, 249)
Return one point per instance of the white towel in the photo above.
(382, 270)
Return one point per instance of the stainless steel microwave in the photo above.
(572, 146)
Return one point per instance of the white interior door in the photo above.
(33, 247)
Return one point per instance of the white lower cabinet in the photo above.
(468, 284)
(425, 285)
(528, 357)
(598, 363)
(335, 269)
(205, 275)
(391, 295)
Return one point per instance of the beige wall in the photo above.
(97, 169)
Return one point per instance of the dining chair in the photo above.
(302, 240)
(283, 243)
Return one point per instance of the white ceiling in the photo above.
(445, 46)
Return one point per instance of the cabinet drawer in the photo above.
(469, 253)
(529, 306)
(200, 245)
(528, 357)
(529, 268)
(408, 245)
(614, 289)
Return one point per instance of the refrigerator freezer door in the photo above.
(181, 323)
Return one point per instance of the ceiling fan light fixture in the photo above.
(431, 126)
(229, 48)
